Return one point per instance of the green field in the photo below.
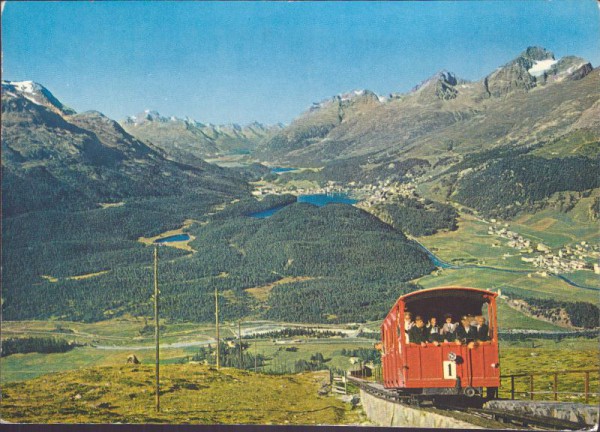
(21, 367)
(528, 356)
(556, 228)
(472, 245)
(534, 286)
(117, 332)
(513, 319)
(537, 356)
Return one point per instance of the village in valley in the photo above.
(566, 260)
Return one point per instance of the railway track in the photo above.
(502, 416)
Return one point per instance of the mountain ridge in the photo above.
(186, 138)
(79, 159)
(405, 122)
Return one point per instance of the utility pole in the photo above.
(240, 342)
(217, 320)
(156, 326)
(255, 354)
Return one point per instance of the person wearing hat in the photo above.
(447, 332)
(417, 333)
(465, 333)
(433, 332)
(483, 331)
(408, 324)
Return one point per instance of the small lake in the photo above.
(174, 238)
(321, 199)
(318, 200)
(267, 213)
(279, 170)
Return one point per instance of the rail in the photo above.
(548, 386)
(504, 416)
(543, 385)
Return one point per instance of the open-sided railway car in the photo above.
(450, 368)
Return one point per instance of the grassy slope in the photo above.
(471, 244)
(547, 356)
(190, 394)
(198, 394)
(557, 228)
(19, 367)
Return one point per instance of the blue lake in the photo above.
(317, 199)
(321, 199)
(174, 238)
(279, 170)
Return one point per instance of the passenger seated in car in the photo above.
(472, 320)
(483, 331)
(465, 333)
(433, 332)
(448, 329)
(417, 333)
(408, 324)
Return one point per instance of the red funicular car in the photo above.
(447, 369)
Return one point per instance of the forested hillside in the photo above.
(340, 256)
(418, 218)
(507, 186)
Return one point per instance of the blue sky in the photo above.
(225, 62)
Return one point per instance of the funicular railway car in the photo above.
(428, 371)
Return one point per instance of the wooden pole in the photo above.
(512, 387)
(587, 387)
(255, 356)
(531, 387)
(240, 343)
(555, 386)
(345, 382)
(156, 327)
(217, 323)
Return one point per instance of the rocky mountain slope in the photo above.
(53, 157)
(186, 139)
(532, 98)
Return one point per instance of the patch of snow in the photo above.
(349, 96)
(26, 86)
(539, 67)
(574, 68)
(382, 99)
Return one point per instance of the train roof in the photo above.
(455, 298)
(434, 292)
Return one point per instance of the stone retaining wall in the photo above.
(575, 412)
(385, 413)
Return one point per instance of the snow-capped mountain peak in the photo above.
(35, 93)
(539, 67)
(26, 86)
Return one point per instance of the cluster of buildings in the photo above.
(272, 189)
(370, 194)
(567, 259)
(514, 239)
(385, 192)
